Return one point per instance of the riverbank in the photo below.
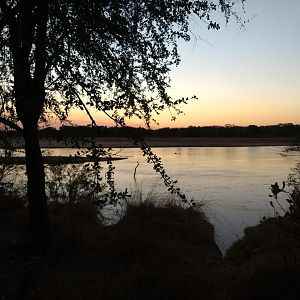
(164, 252)
(119, 142)
(153, 253)
(266, 261)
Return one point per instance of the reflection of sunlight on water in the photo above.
(229, 226)
(233, 182)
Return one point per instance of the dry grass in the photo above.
(267, 261)
(154, 252)
(158, 250)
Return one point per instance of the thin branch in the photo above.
(41, 41)
(54, 56)
(11, 124)
(3, 23)
(7, 13)
(85, 107)
(4, 7)
(94, 124)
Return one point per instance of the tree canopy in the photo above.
(107, 54)
(117, 54)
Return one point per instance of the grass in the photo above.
(158, 250)
(154, 252)
(267, 261)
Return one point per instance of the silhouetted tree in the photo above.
(107, 54)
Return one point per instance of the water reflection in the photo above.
(233, 182)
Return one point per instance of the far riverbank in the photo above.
(121, 142)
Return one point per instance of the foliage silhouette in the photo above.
(114, 56)
(253, 131)
(291, 208)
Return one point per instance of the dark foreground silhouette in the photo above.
(153, 253)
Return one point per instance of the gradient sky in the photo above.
(241, 77)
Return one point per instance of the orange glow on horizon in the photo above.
(241, 78)
(193, 118)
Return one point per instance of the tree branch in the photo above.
(41, 41)
(11, 124)
(79, 98)
(3, 23)
(7, 13)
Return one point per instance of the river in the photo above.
(232, 182)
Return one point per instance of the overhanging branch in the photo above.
(7, 12)
(94, 124)
(11, 124)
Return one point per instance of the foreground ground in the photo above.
(153, 253)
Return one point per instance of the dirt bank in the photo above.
(153, 253)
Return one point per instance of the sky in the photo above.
(240, 76)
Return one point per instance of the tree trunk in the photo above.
(27, 42)
(37, 201)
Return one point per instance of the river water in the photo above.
(231, 182)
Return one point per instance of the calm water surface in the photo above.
(232, 182)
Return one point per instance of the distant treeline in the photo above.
(280, 130)
(287, 130)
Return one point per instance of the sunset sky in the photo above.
(241, 77)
